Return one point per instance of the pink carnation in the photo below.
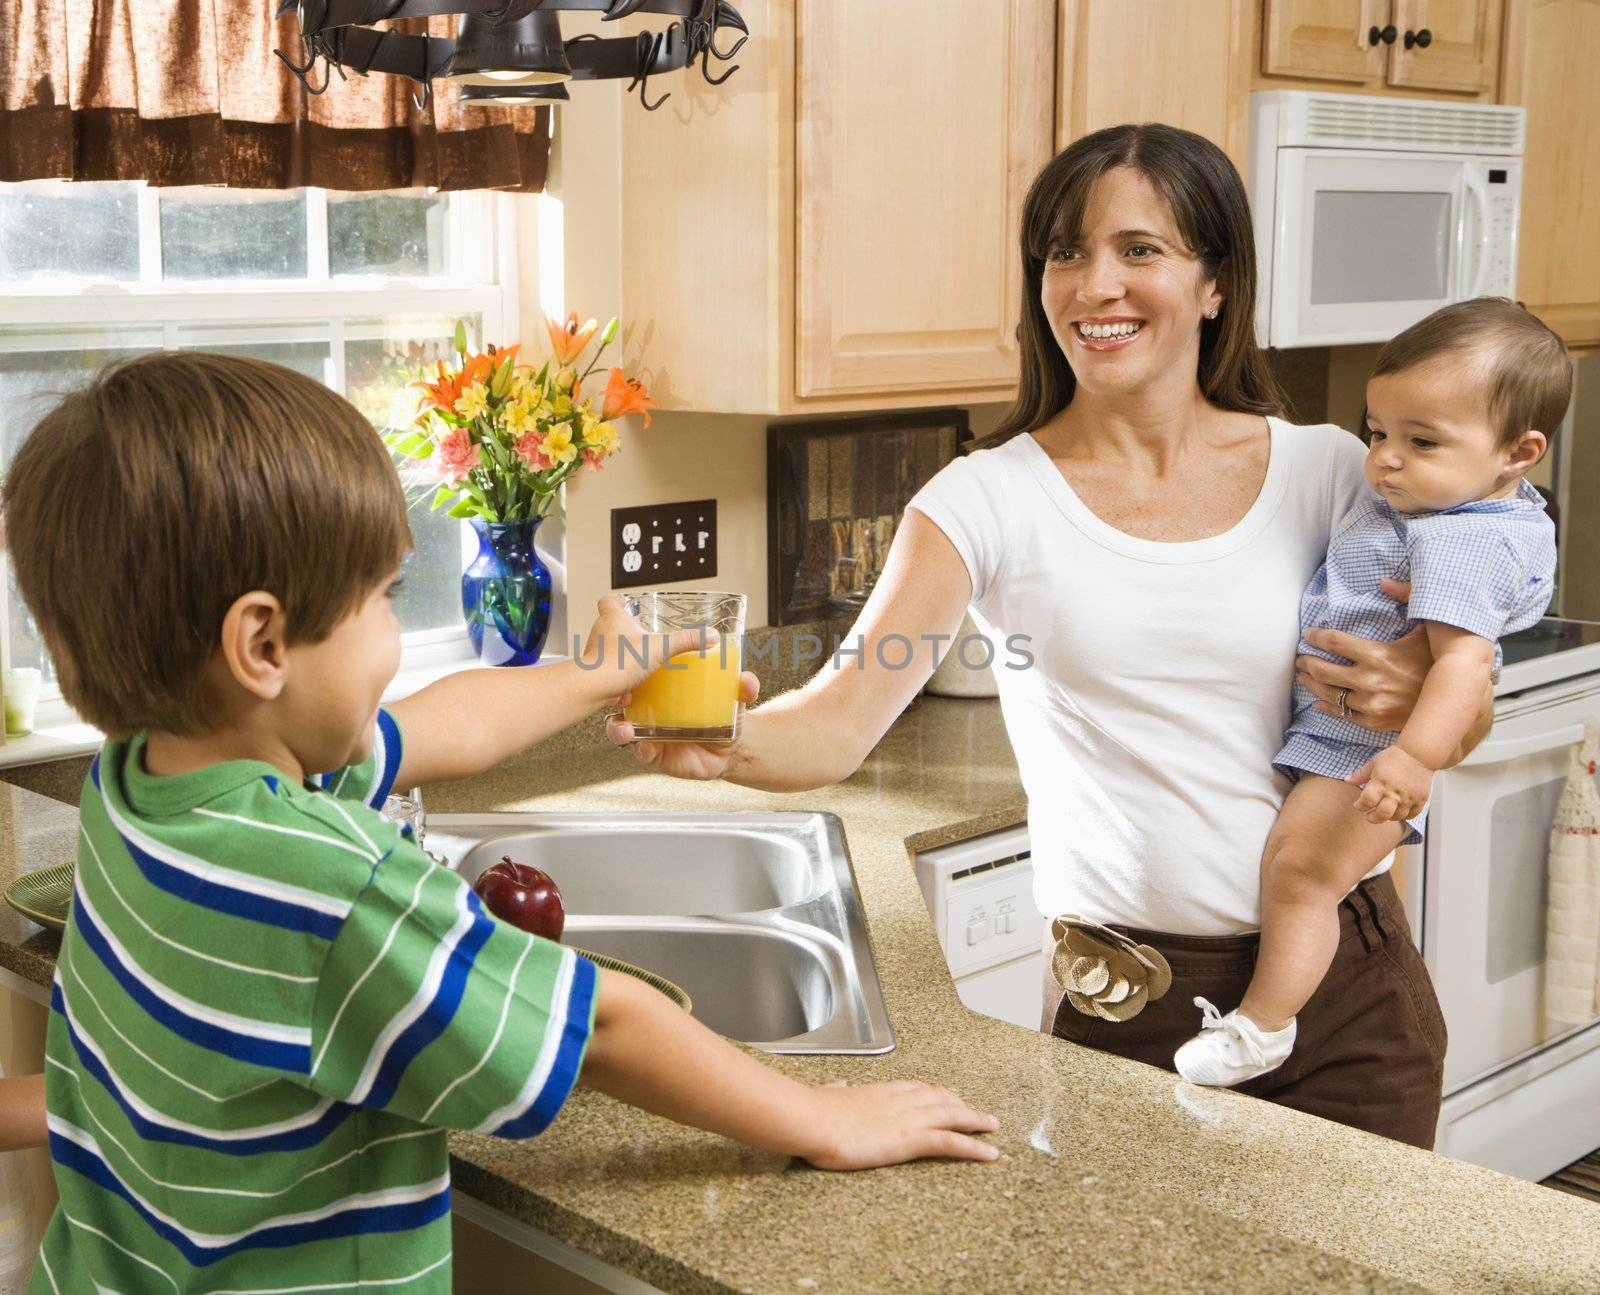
(455, 455)
(593, 458)
(529, 449)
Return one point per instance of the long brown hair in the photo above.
(1208, 202)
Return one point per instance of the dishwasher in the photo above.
(979, 893)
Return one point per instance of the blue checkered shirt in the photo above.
(1487, 567)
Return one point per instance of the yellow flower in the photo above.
(520, 415)
(523, 386)
(474, 401)
(602, 438)
(558, 446)
(561, 406)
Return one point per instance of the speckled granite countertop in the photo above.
(1113, 1175)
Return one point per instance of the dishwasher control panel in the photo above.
(980, 895)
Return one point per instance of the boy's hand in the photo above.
(1397, 786)
(885, 1124)
(701, 761)
(618, 643)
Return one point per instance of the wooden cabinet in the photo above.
(1149, 60)
(1462, 50)
(835, 227)
(1323, 40)
(1383, 46)
(920, 124)
(1552, 51)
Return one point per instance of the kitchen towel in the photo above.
(1572, 914)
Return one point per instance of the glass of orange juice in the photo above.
(694, 696)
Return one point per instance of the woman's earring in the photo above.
(1212, 313)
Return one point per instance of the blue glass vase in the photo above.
(505, 594)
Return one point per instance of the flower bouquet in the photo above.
(496, 440)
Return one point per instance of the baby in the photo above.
(1459, 407)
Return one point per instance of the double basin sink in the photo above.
(755, 915)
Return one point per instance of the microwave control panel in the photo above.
(1503, 187)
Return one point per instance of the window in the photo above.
(357, 290)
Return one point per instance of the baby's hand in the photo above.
(885, 1124)
(1396, 786)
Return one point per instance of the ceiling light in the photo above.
(515, 94)
(525, 51)
(510, 43)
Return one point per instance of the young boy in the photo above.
(269, 1005)
(1459, 406)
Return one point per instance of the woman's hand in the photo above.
(1384, 679)
(696, 760)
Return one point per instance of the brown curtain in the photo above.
(188, 92)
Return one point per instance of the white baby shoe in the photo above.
(1231, 1049)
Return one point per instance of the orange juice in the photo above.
(694, 696)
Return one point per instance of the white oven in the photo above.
(1521, 1095)
(1372, 212)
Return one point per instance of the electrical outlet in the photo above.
(657, 544)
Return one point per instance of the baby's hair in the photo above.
(143, 505)
(1526, 371)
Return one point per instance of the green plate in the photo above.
(44, 896)
(674, 992)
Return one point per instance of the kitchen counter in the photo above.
(1112, 1175)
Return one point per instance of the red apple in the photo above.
(524, 896)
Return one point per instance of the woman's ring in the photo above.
(1344, 703)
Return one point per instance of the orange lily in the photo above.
(445, 392)
(569, 340)
(625, 396)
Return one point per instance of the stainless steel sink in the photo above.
(783, 987)
(658, 870)
(755, 915)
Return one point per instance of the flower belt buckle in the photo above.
(1105, 973)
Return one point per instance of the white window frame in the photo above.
(483, 241)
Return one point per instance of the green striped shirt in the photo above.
(269, 1005)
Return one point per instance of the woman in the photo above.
(1146, 520)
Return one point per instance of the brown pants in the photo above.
(1369, 1051)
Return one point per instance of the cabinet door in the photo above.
(920, 124)
(1108, 45)
(1552, 51)
(1323, 40)
(1463, 44)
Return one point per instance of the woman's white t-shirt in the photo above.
(1159, 684)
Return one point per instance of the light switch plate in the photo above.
(658, 544)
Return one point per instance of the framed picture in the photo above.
(835, 494)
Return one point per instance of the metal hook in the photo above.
(705, 64)
(647, 62)
(298, 69)
(426, 102)
(711, 44)
(314, 51)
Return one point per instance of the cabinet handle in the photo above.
(1387, 35)
(1421, 39)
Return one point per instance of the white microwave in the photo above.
(1372, 212)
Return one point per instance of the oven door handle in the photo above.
(1512, 748)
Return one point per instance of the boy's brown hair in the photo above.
(1526, 370)
(144, 504)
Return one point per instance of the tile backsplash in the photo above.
(835, 494)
